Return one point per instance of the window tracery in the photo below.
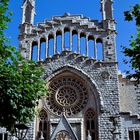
(90, 124)
(43, 125)
(67, 95)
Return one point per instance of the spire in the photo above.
(107, 9)
(28, 11)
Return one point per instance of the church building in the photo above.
(87, 98)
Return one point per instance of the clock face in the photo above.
(66, 95)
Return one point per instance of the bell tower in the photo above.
(28, 11)
(107, 9)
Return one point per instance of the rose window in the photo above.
(67, 95)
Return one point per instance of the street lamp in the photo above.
(21, 131)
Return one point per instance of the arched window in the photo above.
(51, 45)
(91, 46)
(67, 38)
(90, 124)
(34, 52)
(74, 41)
(83, 43)
(59, 41)
(43, 127)
(100, 51)
(42, 48)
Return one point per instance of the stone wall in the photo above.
(105, 80)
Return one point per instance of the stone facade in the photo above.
(87, 99)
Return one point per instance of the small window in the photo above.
(134, 135)
(3, 136)
(90, 124)
(137, 135)
(43, 125)
(131, 135)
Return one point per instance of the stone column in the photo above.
(139, 133)
(63, 40)
(87, 45)
(79, 42)
(82, 130)
(103, 49)
(70, 39)
(95, 49)
(29, 45)
(3, 136)
(133, 134)
(38, 51)
(54, 51)
(47, 47)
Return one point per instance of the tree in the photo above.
(21, 81)
(134, 51)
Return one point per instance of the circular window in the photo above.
(67, 95)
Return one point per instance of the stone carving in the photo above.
(67, 95)
(63, 135)
(105, 75)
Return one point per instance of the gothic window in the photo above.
(3, 136)
(42, 48)
(43, 129)
(63, 135)
(100, 49)
(83, 43)
(91, 47)
(58, 41)
(75, 41)
(50, 45)
(34, 51)
(67, 38)
(134, 135)
(67, 95)
(90, 124)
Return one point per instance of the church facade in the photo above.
(87, 99)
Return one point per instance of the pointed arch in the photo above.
(67, 38)
(42, 48)
(90, 124)
(75, 41)
(100, 49)
(50, 44)
(34, 51)
(83, 43)
(58, 41)
(91, 49)
(43, 125)
(84, 77)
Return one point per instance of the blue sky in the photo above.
(45, 9)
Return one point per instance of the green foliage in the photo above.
(134, 51)
(133, 14)
(21, 82)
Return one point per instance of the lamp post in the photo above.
(21, 131)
